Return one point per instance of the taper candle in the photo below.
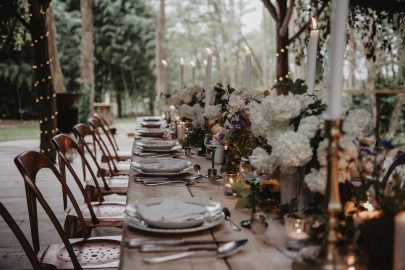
(207, 85)
(311, 57)
(181, 73)
(399, 242)
(337, 47)
(193, 71)
(248, 69)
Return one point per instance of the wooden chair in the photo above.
(94, 252)
(108, 130)
(399, 160)
(114, 167)
(116, 154)
(97, 186)
(36, 265)
(80, 219)
(82, 132)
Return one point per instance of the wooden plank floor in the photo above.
(12, 195)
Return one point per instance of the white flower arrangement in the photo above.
(291, 150)
(281, 108)
(213, 112)
(186, 111)
(316, 180)
(261, 159)
(357, 123)
(309, 126)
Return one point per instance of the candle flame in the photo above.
(368, 206)
(247, 49)
(181, 61)
(209, 51)
(192, 63)
(314, 23)
(205, 62)
(164, 62)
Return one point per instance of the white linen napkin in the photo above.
(164, 165)
(171, 210)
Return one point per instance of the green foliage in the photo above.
(297, 88)
(84, 110)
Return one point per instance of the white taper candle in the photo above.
(336, 53)
(311, 57)
(207, 85)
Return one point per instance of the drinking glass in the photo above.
(250, 174)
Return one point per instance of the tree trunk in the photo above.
(87, 52)
(160, 55)
(57, 74)
(42, 77)
(282, 42)
(119, 102)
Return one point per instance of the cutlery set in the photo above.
(221, 249)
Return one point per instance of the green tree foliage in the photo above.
(124, 52)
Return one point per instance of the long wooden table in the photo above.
(259, 253)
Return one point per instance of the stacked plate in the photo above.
(174, 214)
(153, 124)
(151, 132)
(152, 118)
(159, 146)
(161, 167)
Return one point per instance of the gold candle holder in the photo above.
(334, 207)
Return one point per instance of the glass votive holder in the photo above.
(187, 151)
(229, 179)
(296, 227)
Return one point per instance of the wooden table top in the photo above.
(259, 253)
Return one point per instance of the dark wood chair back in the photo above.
(20, 237)
(82, 131)
(63, 144)
(29, 164)
(107, 130)
(95, 126)
(399, 160)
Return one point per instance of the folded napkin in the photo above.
(171, 210)
(164, 165)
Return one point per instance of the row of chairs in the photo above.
(78, 250)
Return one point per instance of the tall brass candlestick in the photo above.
(334, 206)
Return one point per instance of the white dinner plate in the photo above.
(184, 171)
(214, 217)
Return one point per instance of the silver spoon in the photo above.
(222, 251)
(227, 213)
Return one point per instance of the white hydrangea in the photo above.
(322, 152)
(213, 112)
(275, 129)
(357, 123)
(305, 100)
(281, 108)
(309, 126)
(186, 111)
(198, 116)
(291, 149)
(316, 180)
(261, 159)
(260, 123)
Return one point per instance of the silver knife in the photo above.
(136, 243)
(166, 248)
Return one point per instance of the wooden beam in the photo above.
(373, 92)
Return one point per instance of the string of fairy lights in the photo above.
(288, 75)
(44, 98)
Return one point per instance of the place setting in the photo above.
(168, 215)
